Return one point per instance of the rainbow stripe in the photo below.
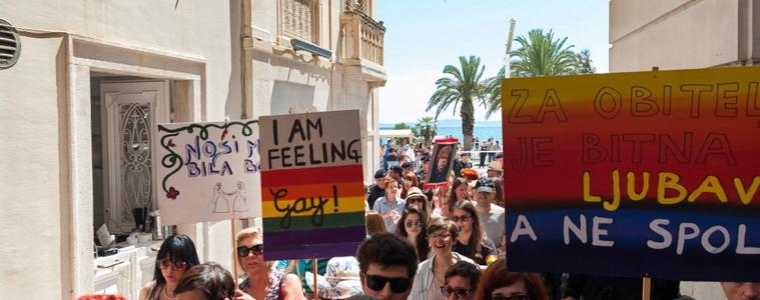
(313, 212)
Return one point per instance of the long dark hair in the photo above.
(474, 244)
(179, 248)
(422, 238)
(452, 199)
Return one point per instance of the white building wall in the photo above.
(31, 155)
(673, 34)
(44, 112)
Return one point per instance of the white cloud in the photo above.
(405, 97)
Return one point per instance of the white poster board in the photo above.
(208, 171)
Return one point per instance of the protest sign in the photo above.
(208, 171)
(312, 184)
(443, 159)
(634, 174)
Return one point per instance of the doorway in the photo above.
(125, 112)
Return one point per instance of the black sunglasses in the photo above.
(411, 224)
(515, 297)
(460, 293)
(165, 263)
(398, 284)
(243, 251)
(459, 218)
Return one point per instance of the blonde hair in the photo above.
(250, 232)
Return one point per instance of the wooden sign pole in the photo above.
(314, 269)
(646, 288)
(234, 253)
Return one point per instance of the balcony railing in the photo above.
(364, 36)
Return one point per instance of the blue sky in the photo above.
(423, 36)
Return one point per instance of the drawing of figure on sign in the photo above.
(240, 203)
(219, 203)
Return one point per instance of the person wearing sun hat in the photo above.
(495, 169)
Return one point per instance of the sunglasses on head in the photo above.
(410, 224)
(165, 263)
(513, 297)
(460, 293)
(243, 251)
(398, 284)
(460, 218)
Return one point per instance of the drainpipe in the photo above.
(246, 63)
(745, 32)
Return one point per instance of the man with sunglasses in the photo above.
(388, 264)
(461, 280)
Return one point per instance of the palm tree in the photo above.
(539, 54)
(427, 127)
(584, 62)
(493, 89)
(461, 87)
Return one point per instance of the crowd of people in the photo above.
(445, 242)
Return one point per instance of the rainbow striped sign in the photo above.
(632, 174)
(312, 186)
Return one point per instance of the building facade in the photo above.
(92, 79)
(684, 34)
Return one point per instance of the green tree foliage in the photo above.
(427, 128)
(461, 87)
(403, 126)
(584, 62)
(539, 54)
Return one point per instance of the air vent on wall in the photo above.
(10, 45)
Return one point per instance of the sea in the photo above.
(481, 132)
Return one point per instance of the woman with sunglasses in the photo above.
(416, 198)
(411, 227)
(498, 284)
(431, 273)
(461, 280)
(471, 241)
(262, 282)
(176, 255)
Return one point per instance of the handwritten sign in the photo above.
(312, 184)
(633, 174)
(208, 171)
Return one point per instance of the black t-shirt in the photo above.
(373, 193)
(487, 248)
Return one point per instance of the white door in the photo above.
(132, 110)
